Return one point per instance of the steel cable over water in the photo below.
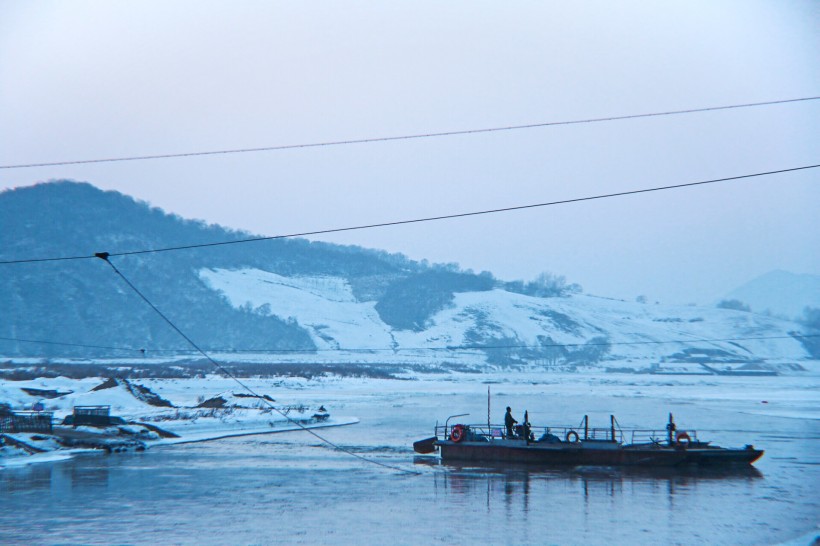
(144, 350)
(104, 256)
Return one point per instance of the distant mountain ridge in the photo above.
(292, 299)
(780, 292)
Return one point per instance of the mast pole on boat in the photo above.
(490, 432)
(670, 429)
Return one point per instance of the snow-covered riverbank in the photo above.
(141, 418)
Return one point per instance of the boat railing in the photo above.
(646, 436)
(562, 433)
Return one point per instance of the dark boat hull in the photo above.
(593, 454)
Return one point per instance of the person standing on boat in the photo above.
(509, 421)
(526, 427)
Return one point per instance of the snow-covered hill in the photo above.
(324, 305)
(301, 302)
(501, 327)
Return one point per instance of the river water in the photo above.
(293, 489)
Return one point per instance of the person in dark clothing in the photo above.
(509, 421)
(526, 427)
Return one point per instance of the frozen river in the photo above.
(292, 489)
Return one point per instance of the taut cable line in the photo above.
(406, 137)
(67, 344)
(420, 220)
(309, 350)
(105, 255)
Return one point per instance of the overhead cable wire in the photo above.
(406, 137)
(105, 255)
(419, 349)
(420, 220)
(520, 346)
(65, 344)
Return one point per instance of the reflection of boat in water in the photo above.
(581, 446)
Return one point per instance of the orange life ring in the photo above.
(571, 434)
(682, 439)
(458, 433)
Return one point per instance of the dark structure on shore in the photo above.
(25, 421)
(92, 416)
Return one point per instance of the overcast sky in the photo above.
(86, 80)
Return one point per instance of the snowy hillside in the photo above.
(325, 306)
(501, 327)
(298, 302)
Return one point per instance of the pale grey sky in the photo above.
(84, 80)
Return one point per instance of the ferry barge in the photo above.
(580, 446)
